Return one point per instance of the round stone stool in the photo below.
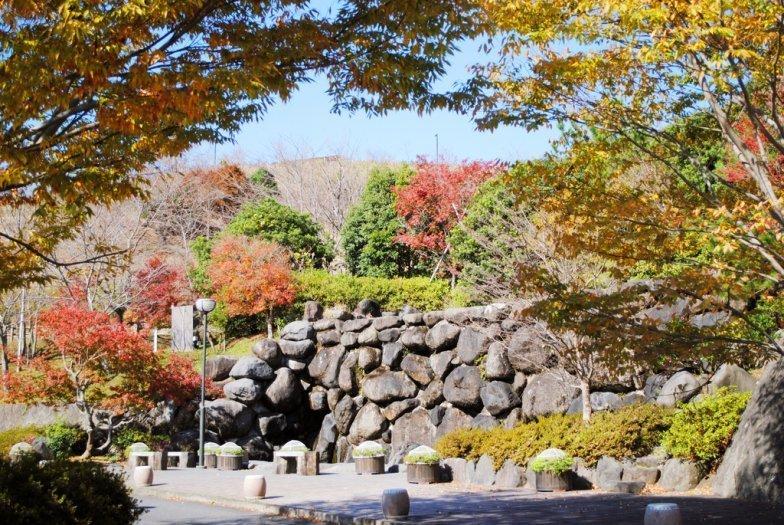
(662, 514)
(254, 487)
(395, 503)
(142, 476)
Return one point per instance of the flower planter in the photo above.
(549, 482)
(423, 473)
(229, 462)
(210, 460)
(369, 465)
(254, 487)
(142, 476)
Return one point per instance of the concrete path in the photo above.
(168, 512)
(340, 496)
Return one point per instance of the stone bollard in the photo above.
(662, 514)
(254, 487)
(395, 503)
(142, 476)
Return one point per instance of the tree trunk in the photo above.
(90, 445)
(269, 324)
(585, 391)
(21, 346)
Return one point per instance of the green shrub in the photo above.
(629, 432)
(64, 492)
(62, 439)
(555, 466)
(391, 294)
(701, 431)
(127, 436)
(297, 232)
(12, 436)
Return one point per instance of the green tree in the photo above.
(297, 232)
(368, 235)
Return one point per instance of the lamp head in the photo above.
(205, 305)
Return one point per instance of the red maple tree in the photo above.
(109, 371)
(436, 199)
(251, 277)
(158, 285)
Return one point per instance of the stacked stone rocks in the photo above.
(337, 378)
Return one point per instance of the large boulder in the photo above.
(418, 368)
(299, 350)
(369, 423)
(432, 395)
(244, 390)
(442, 336)
(382, 386)
(526, 353)
(328, 337)
(509, 476)
(453, 419)
(392, 354)
(367, 308)
(347, 377)
(413, 338)
(413, 428)
(355, 325)
(271, 425)
(268, 351)
(441, 363)
(339, 313)
(679, 388)
(653, 386)
(228, 418)
(394, 410)
(298, 331)
(731, 376)
(470, 345)
(368, 358)
(484, 473)
(344, 413)
(497, 365)
(679, 475)
(218, 368)
(550, 392)
(368, 337)
(599, 401)
(325, 365)
(325, 441)
(499, 398)
(285, 393)
(386, 322)
(753, 466)
(608, 472)
(252, 367)
(313, 311)
(462, 387)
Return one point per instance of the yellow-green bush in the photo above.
(391, 294)
(631, 431)
(10, 437)
(702, 431)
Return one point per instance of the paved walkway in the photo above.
(339, 495)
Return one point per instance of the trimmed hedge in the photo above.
(701, 431)
(62, 439)
(391, 294)
(630, 432)
(64, 492)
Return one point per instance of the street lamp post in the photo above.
(205, 306)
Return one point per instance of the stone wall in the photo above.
(20, 415)
(338, 378)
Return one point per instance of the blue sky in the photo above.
(306, 120)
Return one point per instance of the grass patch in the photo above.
(11, 437)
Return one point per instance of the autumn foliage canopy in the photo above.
(98, 362)
(251, 276)
(436, 200)
(158, 285)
